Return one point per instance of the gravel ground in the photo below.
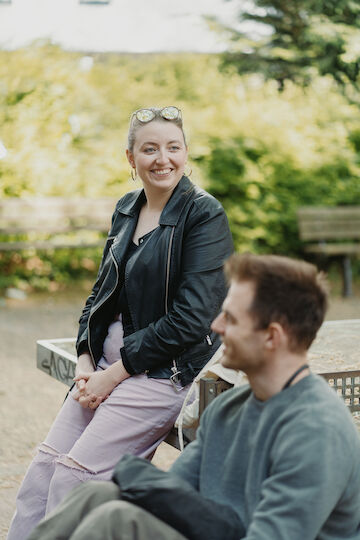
(30, 399)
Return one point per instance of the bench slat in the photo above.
(19, 215)
(47, 245)
(54, 222)
(329, 231)
(333, 249)
(329, 212)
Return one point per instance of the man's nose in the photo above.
(218, 324)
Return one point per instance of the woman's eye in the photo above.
(149, 150)
(174, 148)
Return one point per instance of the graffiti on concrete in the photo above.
(59, 367)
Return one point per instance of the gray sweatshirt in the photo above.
(289, 466)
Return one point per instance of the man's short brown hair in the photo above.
(288, 291)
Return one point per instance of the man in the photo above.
(278, 461)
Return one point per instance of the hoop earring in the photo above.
(189, 173)
(133, 174)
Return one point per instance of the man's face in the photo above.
(243, 345)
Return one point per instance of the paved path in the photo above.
(30, 399)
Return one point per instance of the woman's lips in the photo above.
(161, 172)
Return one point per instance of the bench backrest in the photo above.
(329, 223)
(55, 214)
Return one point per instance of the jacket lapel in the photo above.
(175, 205)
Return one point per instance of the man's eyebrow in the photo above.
(228, 313)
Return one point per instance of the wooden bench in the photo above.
(334, 355)
(44, 223)
(333, 232)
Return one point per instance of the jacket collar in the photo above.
(173, 208)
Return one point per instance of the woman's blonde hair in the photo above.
(136, 124)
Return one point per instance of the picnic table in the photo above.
(335, 355)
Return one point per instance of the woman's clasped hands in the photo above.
(94, 387)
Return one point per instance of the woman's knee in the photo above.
(67, 474)
(45, 454)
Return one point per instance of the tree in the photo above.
(297, 40)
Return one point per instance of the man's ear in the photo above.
(275, 336)
(130, 158)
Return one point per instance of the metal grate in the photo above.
(347, 385)
(209, 389)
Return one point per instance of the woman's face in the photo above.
(159, 155)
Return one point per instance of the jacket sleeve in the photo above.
(207, 243)
(82, 338)
(175, 502)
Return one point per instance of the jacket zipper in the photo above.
(174, 369)
(168, 270)
(101, 303)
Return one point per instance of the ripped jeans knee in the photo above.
(69, 462)
(67, 475)
(48, 453)
(45, 449)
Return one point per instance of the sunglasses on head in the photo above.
(146, 115)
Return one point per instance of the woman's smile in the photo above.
(159, 156)
(162, 172)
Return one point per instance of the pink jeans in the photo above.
(83, 444)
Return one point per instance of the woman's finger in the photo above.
(94, 404)
(80, 384)
(82, 375)
(85, 400)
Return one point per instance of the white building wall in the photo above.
(120, 25)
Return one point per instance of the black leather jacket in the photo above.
(174, 285)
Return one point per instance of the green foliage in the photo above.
(286, 150)
(262, 208)
(260, 152)
(50, 270)
(302, 38)
(65, 129)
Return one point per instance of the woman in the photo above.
(145, 329)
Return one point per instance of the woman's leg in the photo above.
(135, 419)
(33, 493)
(68, 426)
